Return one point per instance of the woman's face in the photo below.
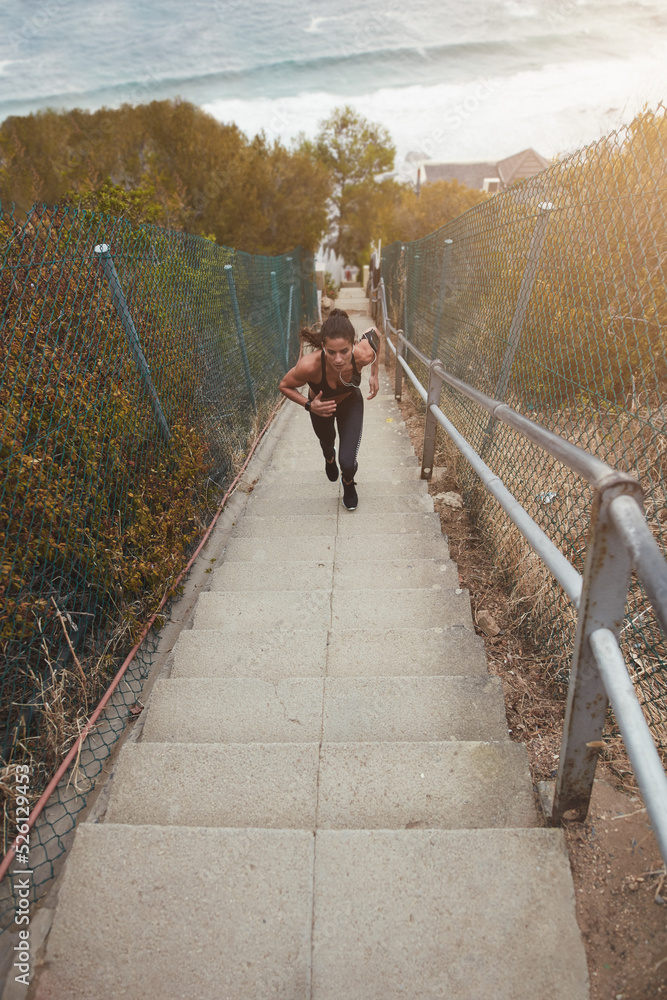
(338, 352)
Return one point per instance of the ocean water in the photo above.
(453, 79)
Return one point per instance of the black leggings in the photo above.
(350, 417)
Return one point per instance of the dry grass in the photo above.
(560, 502)
(62, 697)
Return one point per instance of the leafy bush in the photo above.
(97, 511)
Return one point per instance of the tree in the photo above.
(354, 151)
(416, 216)
(279, 202)
(168, 162)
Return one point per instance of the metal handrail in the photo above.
(568, 577)
(649, 563)
(411, 347)
(619, 540)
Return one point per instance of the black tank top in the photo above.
(324, 387)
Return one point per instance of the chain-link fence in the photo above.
(552, 296)
(139, 364)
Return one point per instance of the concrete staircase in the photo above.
(324, 803)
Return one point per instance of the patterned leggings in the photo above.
(349, 416)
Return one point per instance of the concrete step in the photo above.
(380, 421)
(296, 462)
(378, 439)
(246, 576)
(407, 709)
(295, 468)
(417, 608)
(379, 412)
(271, 655)
(387, 416)
(377, 434)
(235, 710)
(337, 710)
(256, 914)
(281, 653)
(305, 609)
(271, 785)
(272, 527)
(349, 575)
(395, 574)
(265, 550)
(405, 652)
(298, 609)
(394, 473)
(292, 464)
(324, 488)
(424, 785)
(365, 521)
(372, 546)
(461, 915)
(354, 523)
(300, 507)
(345, 786)
(173, 912)
(374, 451)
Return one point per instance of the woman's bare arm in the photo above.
(305, 370)
(365, 355)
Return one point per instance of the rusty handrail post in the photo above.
(435, 381)
(398, 374)
(605, 587)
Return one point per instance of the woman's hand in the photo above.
(374, 385)
(322, 407)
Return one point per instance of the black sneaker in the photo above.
(350, 498)
(331, 468)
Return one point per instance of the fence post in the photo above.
(416, 284)
(523, 298)
(229, 271)
(289, 311)
(398, 373)
(605, 586)
(384, 322)
(276, 304)
(441, 304)
(435, 380)
(373, 295)
(120, 302)
(405, 287)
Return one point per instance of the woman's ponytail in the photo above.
(312, 337)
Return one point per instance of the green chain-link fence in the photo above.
(552, 296)
(138, 366)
